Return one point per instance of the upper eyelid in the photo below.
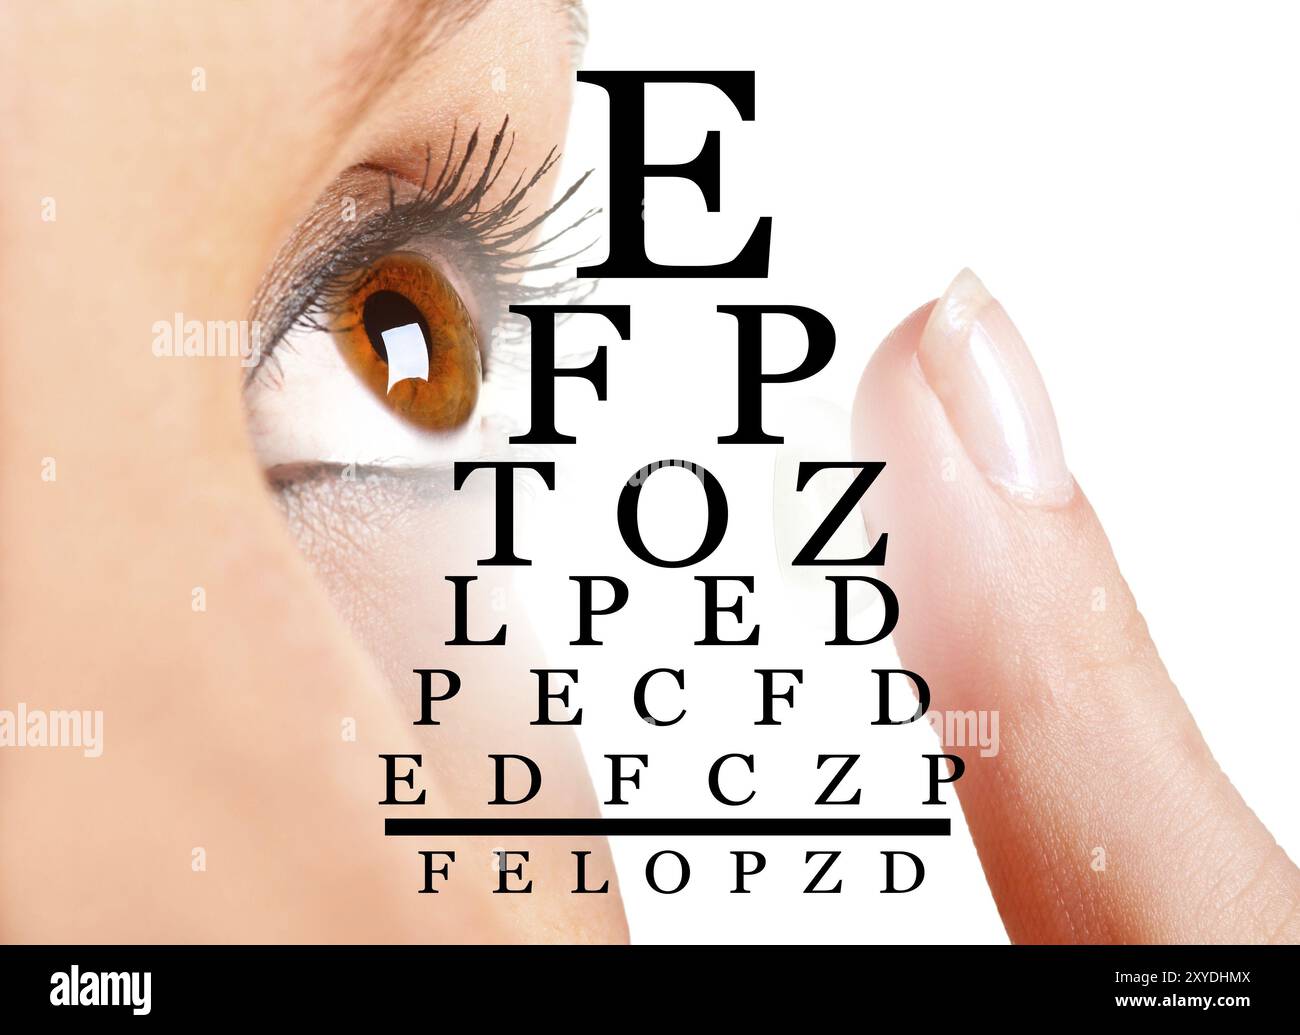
(349, 252)
(320, 253)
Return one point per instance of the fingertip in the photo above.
(1011, 604)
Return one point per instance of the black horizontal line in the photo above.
(413, 826)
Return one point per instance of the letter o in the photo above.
(650, 872)
(629, 501)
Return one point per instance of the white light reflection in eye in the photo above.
(408, 356)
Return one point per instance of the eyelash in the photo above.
(450, 211)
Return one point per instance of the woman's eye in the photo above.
(403, 330)
(381, 361)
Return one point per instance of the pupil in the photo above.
(385, 310)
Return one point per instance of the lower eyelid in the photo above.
(412, 484)
(341, 522)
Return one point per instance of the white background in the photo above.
(1123, 177)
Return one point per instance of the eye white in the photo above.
(312, 408)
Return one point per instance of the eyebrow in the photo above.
(410, 30)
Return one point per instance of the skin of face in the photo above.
(128, 482)
(222, 726)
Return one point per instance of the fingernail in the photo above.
(980, 368)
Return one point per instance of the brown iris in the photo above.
(401, 319)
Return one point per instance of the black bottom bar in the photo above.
(616, 989)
